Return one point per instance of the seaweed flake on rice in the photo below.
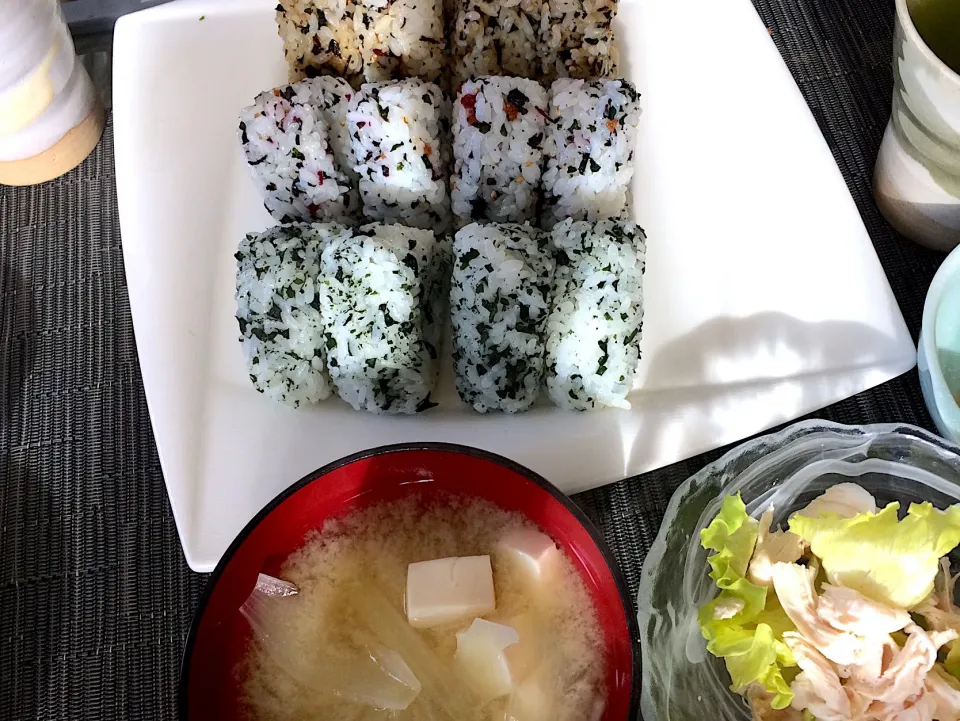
(589, 150)
(538, 39)
(294, 140)
(333, 95)
(493, 38)
(377, 40)
(577, 40)
(278, 311)
(596, 320)
(438, 278)
(319, 38)
(380, 292)
(498, 138)
(401, 38)
(400, 133)
(499, 302)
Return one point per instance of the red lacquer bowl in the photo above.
(219, 636)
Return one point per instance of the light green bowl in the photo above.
(938, 353)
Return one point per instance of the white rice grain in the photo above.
(401, 38)
(498, 150)
(400, 133)
(595, 324)
(381, 291)
(499, 301)
(278, 311)
(294, 140)
(589, 150)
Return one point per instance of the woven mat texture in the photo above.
(95, 596)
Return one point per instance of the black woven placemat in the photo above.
(95, 597)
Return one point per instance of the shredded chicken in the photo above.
(728, 608)
(921, 708)
(849, 610)
(859, 659)
(941, 614)
(794, 587)
(877, 655)
(817, 688)
(944, 690)
(772, 547)
(904, 678)
(938, 609)
(947, 584)
(909, 687)
(844, 499)
(870, 677)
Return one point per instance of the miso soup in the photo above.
(368, 636)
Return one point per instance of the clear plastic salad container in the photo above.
(681, 681)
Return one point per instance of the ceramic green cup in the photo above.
(917, 176)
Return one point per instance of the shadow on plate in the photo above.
(733, 377)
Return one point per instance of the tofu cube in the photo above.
(480, 658)
(533, 553)
(448, 590)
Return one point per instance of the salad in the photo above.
(847, 614)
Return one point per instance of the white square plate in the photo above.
(764, 297)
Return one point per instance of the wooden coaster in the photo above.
(67, 154)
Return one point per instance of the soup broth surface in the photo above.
(368, 552)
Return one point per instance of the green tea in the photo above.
(938, 22)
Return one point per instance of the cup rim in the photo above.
(948, 270)
(619, 578)
(906, 22)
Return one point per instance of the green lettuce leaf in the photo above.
(733, 535)
(742, 594)
(891, 561)
(775, 617)
(751, 655)
(748, 658)
(774, 682)
(744, 624)
(952, 662)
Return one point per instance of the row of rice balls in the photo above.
(373, 41)
(318, 150)
(363, 310)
